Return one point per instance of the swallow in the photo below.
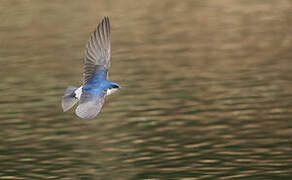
(91, 94)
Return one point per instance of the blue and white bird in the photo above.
(95, 86)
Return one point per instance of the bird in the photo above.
(91, 94)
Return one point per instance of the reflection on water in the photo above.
(206, 90)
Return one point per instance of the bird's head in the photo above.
(113, 87)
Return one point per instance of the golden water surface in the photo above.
(206, 90)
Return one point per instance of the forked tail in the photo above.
(69, 98)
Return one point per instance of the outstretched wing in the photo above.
(89, 105)
(97, 50)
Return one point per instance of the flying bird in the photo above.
(95, 86)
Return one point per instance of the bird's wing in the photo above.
(97, 51)
(89, 105)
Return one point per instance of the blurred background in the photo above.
(207, 90)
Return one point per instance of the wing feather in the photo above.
(97, 50)
(89, 105)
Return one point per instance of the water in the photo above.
(206, 90)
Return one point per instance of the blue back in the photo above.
(98, 83)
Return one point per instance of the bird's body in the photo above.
(96, 86)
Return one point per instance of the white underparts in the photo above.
(78, 92)
(110, 91)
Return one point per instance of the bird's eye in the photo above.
(115, 86)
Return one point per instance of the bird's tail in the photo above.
(69, 98)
